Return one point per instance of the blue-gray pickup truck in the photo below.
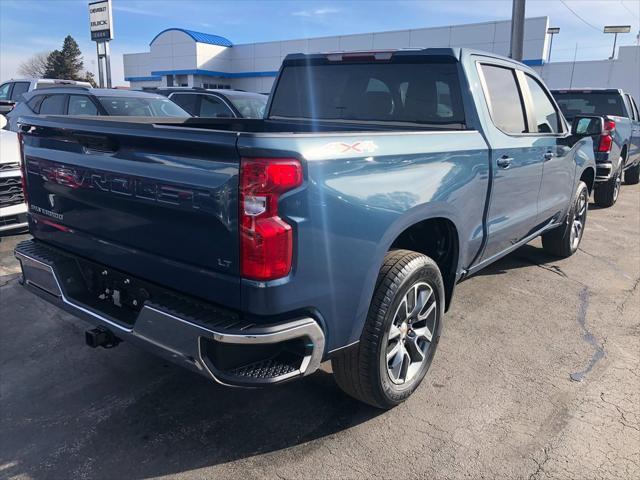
(335, 228)
(618, 145)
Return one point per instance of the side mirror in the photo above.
(587, 125)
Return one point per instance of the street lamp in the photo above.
(552, 31)
(616, 29)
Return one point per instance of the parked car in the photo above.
(94, 101)
(336, 228)
(216, 103)
(618, 148)
(11, 91)
(13, 209)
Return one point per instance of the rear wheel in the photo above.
(400, 334)
(606, 193)
(564, 241)
(632, 175)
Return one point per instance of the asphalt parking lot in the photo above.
(537, 376)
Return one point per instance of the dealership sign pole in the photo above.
(101, 26)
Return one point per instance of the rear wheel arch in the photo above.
(588, 176)
(438, 239)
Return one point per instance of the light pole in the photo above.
(517, 29)
(616, 29)
(552, 31)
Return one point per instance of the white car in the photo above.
(13, 209)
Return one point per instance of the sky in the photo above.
(31, 26)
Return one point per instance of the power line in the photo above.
(629, 10)
(583, 20)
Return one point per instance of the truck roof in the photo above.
(454, 52)
(586, 90)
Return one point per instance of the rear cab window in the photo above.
(423, 92)
(587, 102)
(188, 101)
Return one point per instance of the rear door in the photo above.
(516, 160)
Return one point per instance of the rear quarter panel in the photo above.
(360, 192)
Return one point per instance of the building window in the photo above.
(219, 86)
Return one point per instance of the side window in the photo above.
(187, 101)
(18, 89)
(505, 101)
(547, 118)
(632, 111)
(212, 107)
(81, 105)
(5, 90)
(34, 103)
(635, 108)
(52, 105)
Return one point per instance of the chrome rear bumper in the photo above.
(176, 334)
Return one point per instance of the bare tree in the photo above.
(36, 66)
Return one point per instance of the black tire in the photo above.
(560, 241)
(362, 371)
(605, 194)
(632, 174)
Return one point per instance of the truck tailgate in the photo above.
(139, 198)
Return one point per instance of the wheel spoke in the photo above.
(415, 351)
(423, 332)
(394, 351)
(395, 368)
(428, 312)
(394, 332)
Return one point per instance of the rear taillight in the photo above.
(606, 140)
(23, 167)
(266, 241)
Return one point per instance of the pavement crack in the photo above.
(539, 465)
(623, 419)
(628, 295)
(588, 337)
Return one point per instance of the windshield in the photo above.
(425, 93)
(590, 103)
(249, 106)
(142, 107)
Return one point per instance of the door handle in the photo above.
(548, 156)
(504, 161)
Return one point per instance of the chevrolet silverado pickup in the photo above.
(336, 228)
(618, 146)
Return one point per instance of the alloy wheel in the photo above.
(579, 218)
(411, 333)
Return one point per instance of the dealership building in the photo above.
(180, 57)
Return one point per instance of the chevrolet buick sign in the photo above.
(101, 20)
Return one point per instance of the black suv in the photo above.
(210, 103)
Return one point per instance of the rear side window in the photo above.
(504, 98)
(81, 105)
(34, 103)
(188, 101)
(214, 107)
(547, 118)
(52, 105)
(420, 93)
(18, 89)
(590, 103)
